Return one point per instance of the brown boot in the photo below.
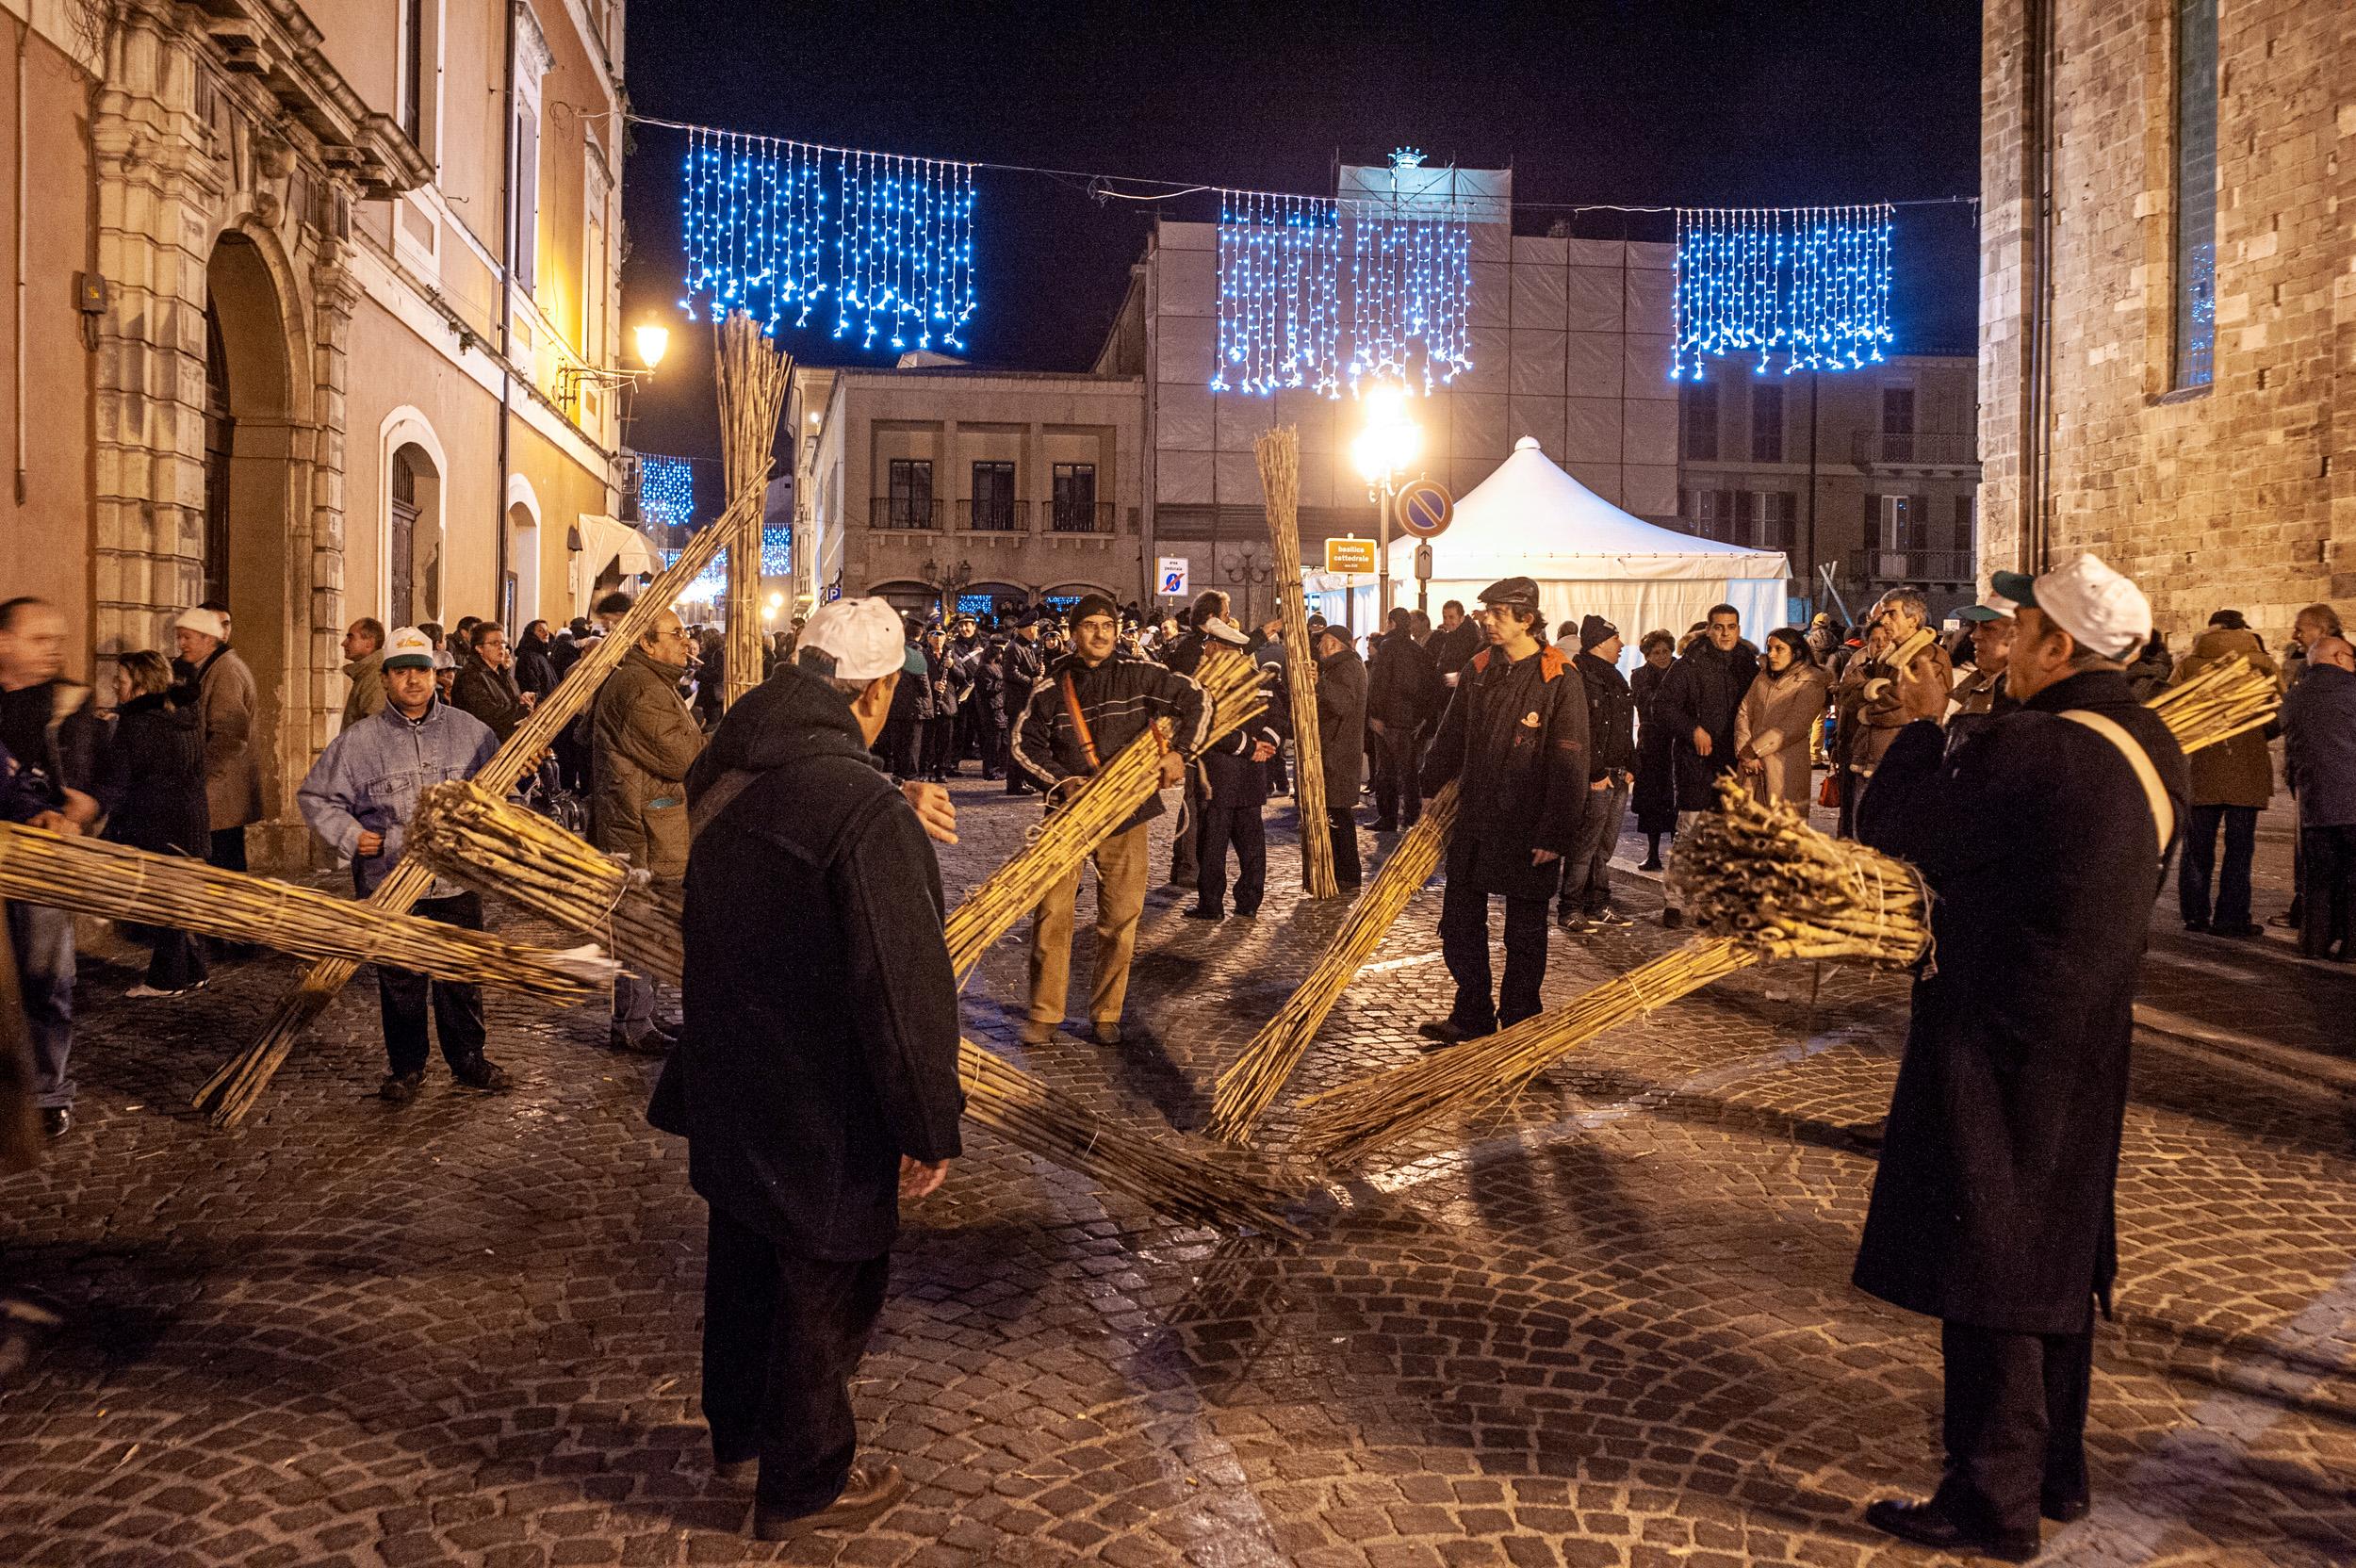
(869, 1492)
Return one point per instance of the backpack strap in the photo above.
(2154, 794)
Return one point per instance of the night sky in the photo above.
(1647, 102)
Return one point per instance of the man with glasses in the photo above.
(485, 686)
(642, 740)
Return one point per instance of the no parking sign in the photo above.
(1170, 572)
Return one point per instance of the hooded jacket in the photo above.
(2239, 772)
(642, 741)
(799, 1085)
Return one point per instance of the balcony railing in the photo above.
(1946, 448)
(1006, 516)
(1897, 567)
(904, 512)
(1079, 516)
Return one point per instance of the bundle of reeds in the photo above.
(233, 1090)
(1246, 1089)
(1347, 1124)
(117, 882)
(1230, 684)
(753, 374)
(476, 839)
(1278, 454)
(1762, 884)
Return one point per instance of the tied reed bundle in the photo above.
(475, 838)
(1762, 884)
(753, 374)
(233, 1090)
(1230, 684)
(117, 882)
(1279, 453)
(1248, 1089)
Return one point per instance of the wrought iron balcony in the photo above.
(1006, 516)
(1079, 516)
(1890, 568)
(1917, 448)
(904, 512)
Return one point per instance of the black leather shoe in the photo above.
(1196, 911)
(1929, 1524)
(866, 1497)
(1446, 1032)
(2064, 1508)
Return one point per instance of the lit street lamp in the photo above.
(1384, 451)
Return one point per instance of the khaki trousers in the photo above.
(1120, 876)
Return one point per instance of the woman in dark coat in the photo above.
(536, 662)
(1656, 798)
(1342, 742)
(152, 785)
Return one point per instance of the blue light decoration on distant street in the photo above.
(667, 489)
(1792, 288)
(775, 228)
(1282, 319)
(776, 551)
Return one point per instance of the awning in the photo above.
(603, 539)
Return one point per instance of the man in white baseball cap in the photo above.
(816, 1077)
(2043, 835)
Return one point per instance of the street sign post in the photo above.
(1169, 575)
(1349, 557)
(1426, 508)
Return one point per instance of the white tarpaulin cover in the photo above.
(1588, 557)
(606, 543)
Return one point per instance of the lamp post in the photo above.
(1384, 450)
(651, 338)
(1246, 568)
(946, 581)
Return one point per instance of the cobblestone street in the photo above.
(1613, 1326)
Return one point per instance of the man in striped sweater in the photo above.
(1083, 709)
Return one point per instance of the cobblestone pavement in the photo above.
(1611, 1326)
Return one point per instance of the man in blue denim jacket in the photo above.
(358, 798)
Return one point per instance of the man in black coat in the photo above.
(1341, 746)
(1022, 666)
(2043, 835)
(1699, 699)
(1403, 692)
(1454, 643)
(1586, 901)
(1514, 738)
(1090, 703)
(1234, 790)
(815, 1094)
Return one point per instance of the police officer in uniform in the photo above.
(2043, 834)
(1514, 737)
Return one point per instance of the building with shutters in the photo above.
(316, 317)
(1866, 480)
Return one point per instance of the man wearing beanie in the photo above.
(1586, 898)
(1089, 704)
(1515, 740)
(2043, 835)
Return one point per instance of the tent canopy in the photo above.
(1589, 558)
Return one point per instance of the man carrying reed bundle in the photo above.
(358, 798)
(1515, 740)
(816, 1094)
(2042, 837)
(1082, 710)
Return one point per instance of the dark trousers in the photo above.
(908, 748)
(1587, 870)
(940, 751)
(1185, 843)
(1397, 755)
(1342, 823)
(175, 959)
(227, 850)
(2232, 911)
(1241, 826)
(782, 1334)
(1464, 943)
(2328, 926)
(2015, 1422)
(993, 750)
(403, 996)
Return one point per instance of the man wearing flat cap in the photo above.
(1515, 741)
(2043, 835)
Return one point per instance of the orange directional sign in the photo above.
(1425, 508)
(1352, 557)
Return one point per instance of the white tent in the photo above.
(1589, 558)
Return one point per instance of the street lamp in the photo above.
(651, 338)
(1384, 450)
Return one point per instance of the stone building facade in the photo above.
(1865, 479)
(2168, 363)
(321, 322)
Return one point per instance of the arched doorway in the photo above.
(520, 604)
(252, 500)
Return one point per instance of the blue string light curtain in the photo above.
(1792, 288)
(779, 229)
(667, 489)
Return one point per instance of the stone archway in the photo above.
(256, 454)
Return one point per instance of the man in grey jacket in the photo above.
(358, 797)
